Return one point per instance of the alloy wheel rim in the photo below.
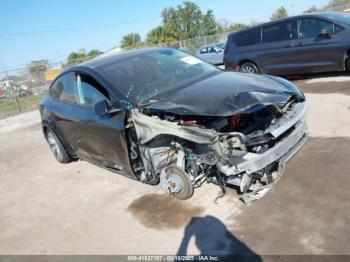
(54, 146)
(248, 69)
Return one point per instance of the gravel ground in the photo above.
(49, 208)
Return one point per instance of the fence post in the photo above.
(14, 95)
(11, 87)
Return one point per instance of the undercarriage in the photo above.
(247, 150)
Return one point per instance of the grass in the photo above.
(27, 103)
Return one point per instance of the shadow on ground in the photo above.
(213, 238)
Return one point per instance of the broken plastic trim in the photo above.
(260, 192)
(259, 161)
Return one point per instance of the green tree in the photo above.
(209, 25)
(75, 57)
(335, 3)
(81, 56)
(312, 9)
(279, 13)
(93, 53)
(132, 40)
(161, 35)
(187, 21)
(37, 69)
(236, 27)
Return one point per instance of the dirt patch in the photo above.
(32, 128)
(308, 207)
(325, 88)
(163, 212)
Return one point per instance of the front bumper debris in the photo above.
(280, 153)
(258, 193)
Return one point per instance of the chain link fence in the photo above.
(20, 91)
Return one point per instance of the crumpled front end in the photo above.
(268, 167)
(247, 150)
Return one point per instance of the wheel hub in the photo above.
(172, 184)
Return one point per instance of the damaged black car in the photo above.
(162, 116)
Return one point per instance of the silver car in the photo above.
(213, 53)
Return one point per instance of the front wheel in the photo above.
(176, 182)
(249, 67)
(57, 148)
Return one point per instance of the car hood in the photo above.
(229, 93)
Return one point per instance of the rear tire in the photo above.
(249, 67)
(348, 64)
(57, 148)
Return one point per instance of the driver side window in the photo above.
(87, 91)
(312, 27)
(212, 49)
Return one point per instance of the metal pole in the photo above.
(11, 87)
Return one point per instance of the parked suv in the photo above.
(160, 115)
(311, 43)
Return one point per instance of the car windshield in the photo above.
(341, 17)
(156, 74)
(221, 45)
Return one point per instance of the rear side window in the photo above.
(62, 88)
(337, 28)
(212, 49)
(277, 32)
(222, 45)
(204, 50)
(246, 38)
(312, 27)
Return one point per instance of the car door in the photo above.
(217, 55)
(275, 54)
(219, 58)
(212, 55)
(101, 137)
(205, 54)
(62, 111)
(316, 51)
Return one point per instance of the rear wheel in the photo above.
(249, 67)
(348, 64)
(56, 147)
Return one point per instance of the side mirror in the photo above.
(326, 33)
(102, 108)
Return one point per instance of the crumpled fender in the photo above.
(148, 128)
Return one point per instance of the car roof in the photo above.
(110, 58)
(327, 15)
